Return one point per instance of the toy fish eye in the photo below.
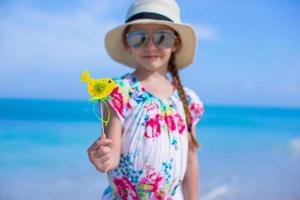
(109, 81)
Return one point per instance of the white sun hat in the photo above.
(164, 12)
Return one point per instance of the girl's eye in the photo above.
(137, 38)
(160, 38)
(164, 39)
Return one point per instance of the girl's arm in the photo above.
(114, 132)
(105, 153)
(190, 183)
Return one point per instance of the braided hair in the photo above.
(177, 82)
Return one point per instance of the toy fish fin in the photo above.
(85, 76)
(94, 99)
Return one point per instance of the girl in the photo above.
(150, 151)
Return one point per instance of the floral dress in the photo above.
(154, 144)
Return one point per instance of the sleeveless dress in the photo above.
(154, 144)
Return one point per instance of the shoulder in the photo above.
(119, 98)
(195, 105)
(123, 84)
(123, 81)
(192, 96)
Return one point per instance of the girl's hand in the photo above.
(105, 152)
(101, 154)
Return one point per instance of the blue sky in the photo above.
(248, 51)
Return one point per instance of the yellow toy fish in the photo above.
(99, 89)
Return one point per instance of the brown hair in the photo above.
(124, 35)
(176, 80)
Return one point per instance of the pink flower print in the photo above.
(128, 105)
(125, 189)
(151, 183)
(153, 127)
(169, 119)
(180, 123)
(196, 110)
(117, 100)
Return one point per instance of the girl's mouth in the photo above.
(151, 57)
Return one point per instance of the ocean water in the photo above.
(247, 152)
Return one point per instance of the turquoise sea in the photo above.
(247, 152)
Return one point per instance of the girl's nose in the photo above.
(150, 44)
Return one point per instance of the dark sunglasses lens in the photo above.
(136, 39)
(164, 39)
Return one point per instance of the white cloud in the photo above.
(206, 33)
(35, 39)
(294, 146)
(216, 193)
(291, 88)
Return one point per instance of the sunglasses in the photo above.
(163, 39)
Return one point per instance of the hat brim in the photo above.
(184, 55)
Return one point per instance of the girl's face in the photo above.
(153, 45)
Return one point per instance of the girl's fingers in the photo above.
(103, 141)
(104, 167)
(98, 143)
(99, 158)
(104, 158)
(92, 148)
(101, 152)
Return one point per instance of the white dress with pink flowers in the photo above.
(154, 142)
